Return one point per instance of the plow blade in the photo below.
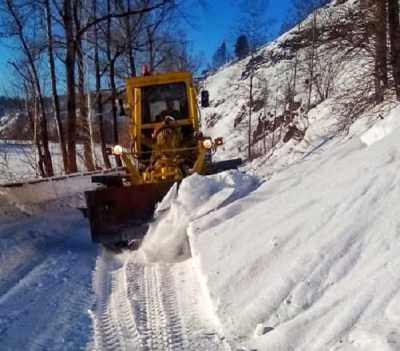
(121, 214)
(226, 165)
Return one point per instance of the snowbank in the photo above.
(197, 196)
(382, 128)
(312, 256)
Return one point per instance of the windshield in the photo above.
(159, 101)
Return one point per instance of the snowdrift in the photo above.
(312, 255)
(198, 196)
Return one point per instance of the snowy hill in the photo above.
(283, 66)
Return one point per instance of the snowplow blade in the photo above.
(121, 214)
(226, 165)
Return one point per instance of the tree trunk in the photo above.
(56, 102)
(32, 114)
(250, 112)
(70, 61)
(111, 62)
(131, 55)
(48, 165)
(83, 112)
(150, 44)
(114, 109)
(99, 102)
(381, 73)
(312, 61)
(36, 137)
(394, 27)
(85, 127)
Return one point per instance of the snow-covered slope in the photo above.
(310, 259)
(275, 65)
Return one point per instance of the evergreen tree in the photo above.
(220, 57)
(242, 47)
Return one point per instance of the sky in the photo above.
(216, 24)
(206, 28)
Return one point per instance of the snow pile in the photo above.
(197, 196)
(311, 258)
(383, 128)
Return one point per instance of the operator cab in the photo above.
(160, 101)
(165, 102)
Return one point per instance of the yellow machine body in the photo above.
(164, 149)
(166, 146)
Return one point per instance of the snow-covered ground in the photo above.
(17, 160)
(46, 266)
(306, 260)
(310, 259)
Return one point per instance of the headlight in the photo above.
(207, 144)
(118, 150)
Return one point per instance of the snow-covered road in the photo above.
(145, 306)
(45, 283)
(58, 291)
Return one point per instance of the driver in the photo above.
(169, 111)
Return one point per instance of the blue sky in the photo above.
(216, 24)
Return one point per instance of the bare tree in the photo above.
(80, 19)
(99, 100)
(25, 80)
(394, 27)
(381, 72)
(310, 60)
(30, 53)
(53, 76)
(73, 36)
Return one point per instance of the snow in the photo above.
(198, 196)
(304, 260)
(18, 163)
(383, 128)
(298, 262)
(309, 259)
(299, 250)
(46, 265)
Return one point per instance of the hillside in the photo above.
(282, 131)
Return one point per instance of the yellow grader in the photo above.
(166, 146)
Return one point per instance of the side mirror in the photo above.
(205, 98)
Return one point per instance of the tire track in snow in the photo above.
(114, 326)
(152, 307)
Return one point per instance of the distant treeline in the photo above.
(10, 104)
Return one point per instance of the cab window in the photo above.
(159, 101)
